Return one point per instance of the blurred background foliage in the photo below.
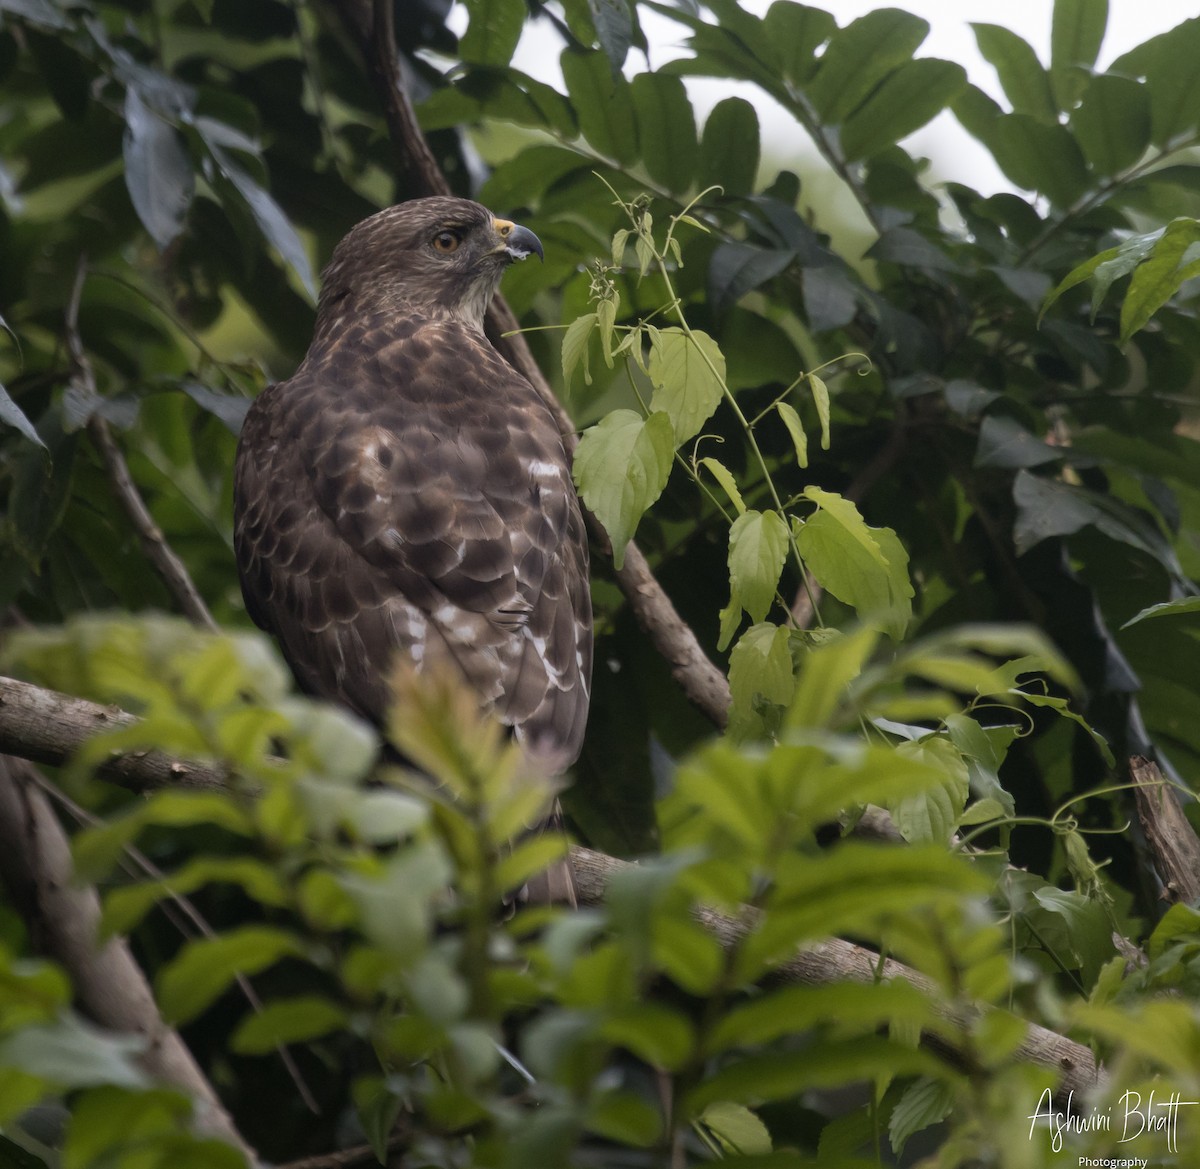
(173, 174)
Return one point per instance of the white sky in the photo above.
(953, 151)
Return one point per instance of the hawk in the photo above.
(406, 491)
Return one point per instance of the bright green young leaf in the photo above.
(736, 1130)
(729, 148)
(820, 393)
(205, 968)
(575, 348)
(660, 1035)
(1106, 267)
(493, 31)
(666, 129)
(932, 816)
(722, 475)
(1166, 609)
(908, 98)
(688, 373)
(862, 566)
(758, 544)
(621, 468)
(760, 671)
(860, 56)
(284, 1021)
(1173, 261)
(796, 429)
(1024, 79)
(926, 1101)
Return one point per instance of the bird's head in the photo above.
(440, 256)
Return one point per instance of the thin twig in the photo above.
(154, 544)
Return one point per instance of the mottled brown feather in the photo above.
(406, 490)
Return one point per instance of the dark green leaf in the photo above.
(1166, 62)
(861, 55)
(666, 129)
(910, 96)
(1004, 442)
(1025, 81)
(738, 268)
(903, 245)
(797, 31)
(493, 31)
(12, 415)
(729, 148)
(284, 1021)
(926, 1101)
(1112, 123)
(602, 104)
(1076, 34)
(1047, 508)
(158, 171)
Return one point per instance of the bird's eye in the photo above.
(447, 241)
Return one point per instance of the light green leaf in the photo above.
(758, 543)
(862, 566)
(796, 429)
(760, 671)
(575, 348)
(688, 373)
(293, 1020)
(932, 816)
(820, 393)
(722, 475)
(205, 968)
(926, 1101)
(736, 1130)
(71, 1053)
(1172, 261)
(621, 467)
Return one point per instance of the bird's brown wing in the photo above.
(407, 490)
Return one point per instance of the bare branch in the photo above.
(1171, 837)
(701, 681)
(63, 918)
(154, 544)
(825, 962)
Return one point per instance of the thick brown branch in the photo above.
(63, 919)
(72, 719)
(1171, 838)
(701, 681)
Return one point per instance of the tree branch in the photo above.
(66, 723)
(1171, 838)
(63, 918)
(704, 684)
(154, 544)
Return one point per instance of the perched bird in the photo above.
(406, 491)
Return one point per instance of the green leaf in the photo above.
(1004, 442)
(602, 104)
(1076, 33)
(758, 544)
(797, 31)
(205, 968)
(158, 172)
(932, 816)
(820, 393)
(12, 415)
(666, 129)
(736, 1130)
(906, 100)
(1167, 63)
(862, 566)
(737, 268)
(760, 671)
(723, 476)
(575, 348)
(71, 1053)
(1112, 123)
(796, 429)
(274, 225)
(926, 1101)
(688, 374)
(729, 148)
(621, 467)
(284, 1021)
(1106, 267)
(1025, 82)
(1174, 259)
(861, 55)
(493, 32)
(1166, 609)
(659, 1035)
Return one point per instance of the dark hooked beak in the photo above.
(519, 242)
